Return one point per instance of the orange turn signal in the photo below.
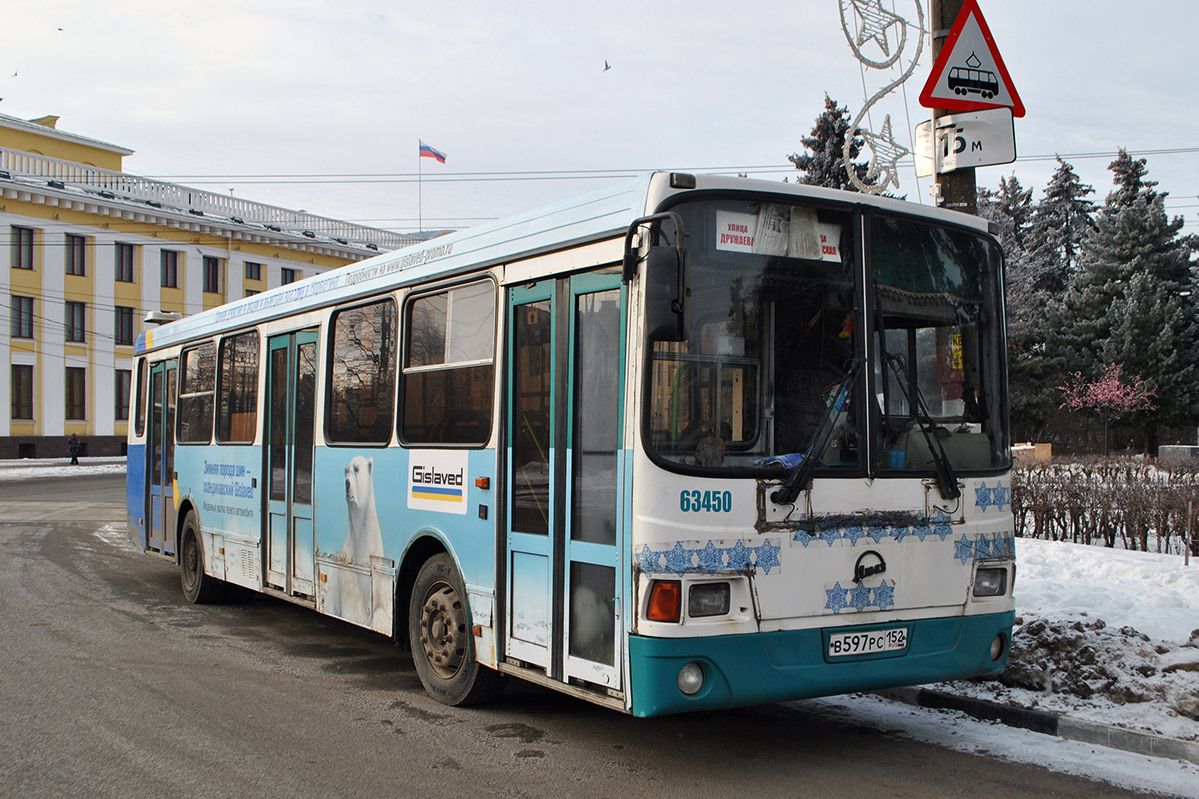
(665, 600)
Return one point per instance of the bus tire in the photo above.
(443, 647)
(198, 587)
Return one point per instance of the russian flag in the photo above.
(428, 152)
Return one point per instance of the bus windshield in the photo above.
(775, 366)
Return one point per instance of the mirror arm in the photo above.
(629, 267)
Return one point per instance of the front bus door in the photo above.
(161, 472)
(565, 477)
(291, 393)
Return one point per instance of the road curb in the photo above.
(1050, 723)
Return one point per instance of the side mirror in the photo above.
(665, 295)
(664, 276)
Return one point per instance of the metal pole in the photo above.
(1189, 542)
(957, 188)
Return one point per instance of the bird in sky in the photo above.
(607, 66)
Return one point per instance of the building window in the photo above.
(22, 391)
(22, 247)
(22, 317)
(76, 255)
(123, 332)
(253, 271)
(289, 276)
(124, 383)
(124, 268)
(76, 321)
(250, 292)
(212, 274)
(76, 394)
(170, 268)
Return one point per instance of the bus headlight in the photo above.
(708, 599)
(990, 582)
(998, 647)
(691, 678)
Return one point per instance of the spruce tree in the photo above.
(1131, 300)
(823, 164)
(1063, 218)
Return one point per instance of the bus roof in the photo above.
(590, 217)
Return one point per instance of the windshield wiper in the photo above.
(947, 481)
(801, 476)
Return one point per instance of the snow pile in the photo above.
(1102, 634)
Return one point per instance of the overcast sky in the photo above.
(210, 92)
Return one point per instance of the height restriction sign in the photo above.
(969, 74)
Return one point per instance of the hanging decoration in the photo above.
(879, 39)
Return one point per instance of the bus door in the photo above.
(290, 418)
(160, 444)
(565, 477)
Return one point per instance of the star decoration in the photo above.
(884, 596)
(984, 497)
(835, 597)
(859, 597)
(884, 161)
(875, 20)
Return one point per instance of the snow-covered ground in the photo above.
(1106, 635)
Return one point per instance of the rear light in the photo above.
(708, 599)
(665, 600)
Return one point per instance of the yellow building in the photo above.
(92, 250)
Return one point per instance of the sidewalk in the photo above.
(1050, 723)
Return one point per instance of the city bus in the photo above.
(686, 442)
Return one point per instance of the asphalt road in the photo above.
(111, 685)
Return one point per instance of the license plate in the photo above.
(867, 643)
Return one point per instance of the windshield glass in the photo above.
(939, 361)
(765, 367)
(771, 367)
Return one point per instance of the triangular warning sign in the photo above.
(969, 74)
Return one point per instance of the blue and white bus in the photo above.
(688, 442)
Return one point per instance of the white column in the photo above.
(104, 335)
(50, 405)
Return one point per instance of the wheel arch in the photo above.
(186, 506)
(424, 546)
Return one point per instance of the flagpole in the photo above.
(420, 220)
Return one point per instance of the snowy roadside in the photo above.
(1105, 635)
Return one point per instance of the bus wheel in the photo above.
(442, 644)
(198, 587)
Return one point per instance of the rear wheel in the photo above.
(442, 643)
(198, 587)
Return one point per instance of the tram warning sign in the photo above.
(969, 74)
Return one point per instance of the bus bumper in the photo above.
(793, 664)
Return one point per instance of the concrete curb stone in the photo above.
(1050, 723)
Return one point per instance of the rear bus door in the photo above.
(160, 475)
(290, 436)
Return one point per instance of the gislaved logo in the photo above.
(437, 481)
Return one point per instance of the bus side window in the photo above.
(196, 388)
(237, 387)
(363, 362)
(140, 417)
(449, 366)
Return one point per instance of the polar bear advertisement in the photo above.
(348, 594)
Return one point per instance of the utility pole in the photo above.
(957, 188)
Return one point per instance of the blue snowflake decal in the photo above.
(711, 558)
(996, 497)
(963, 549)
(884, 596)
(835, 598)
(860, 597)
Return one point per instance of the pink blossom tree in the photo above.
(1107, 396)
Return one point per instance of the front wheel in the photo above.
(442, 643)
(198, 587)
